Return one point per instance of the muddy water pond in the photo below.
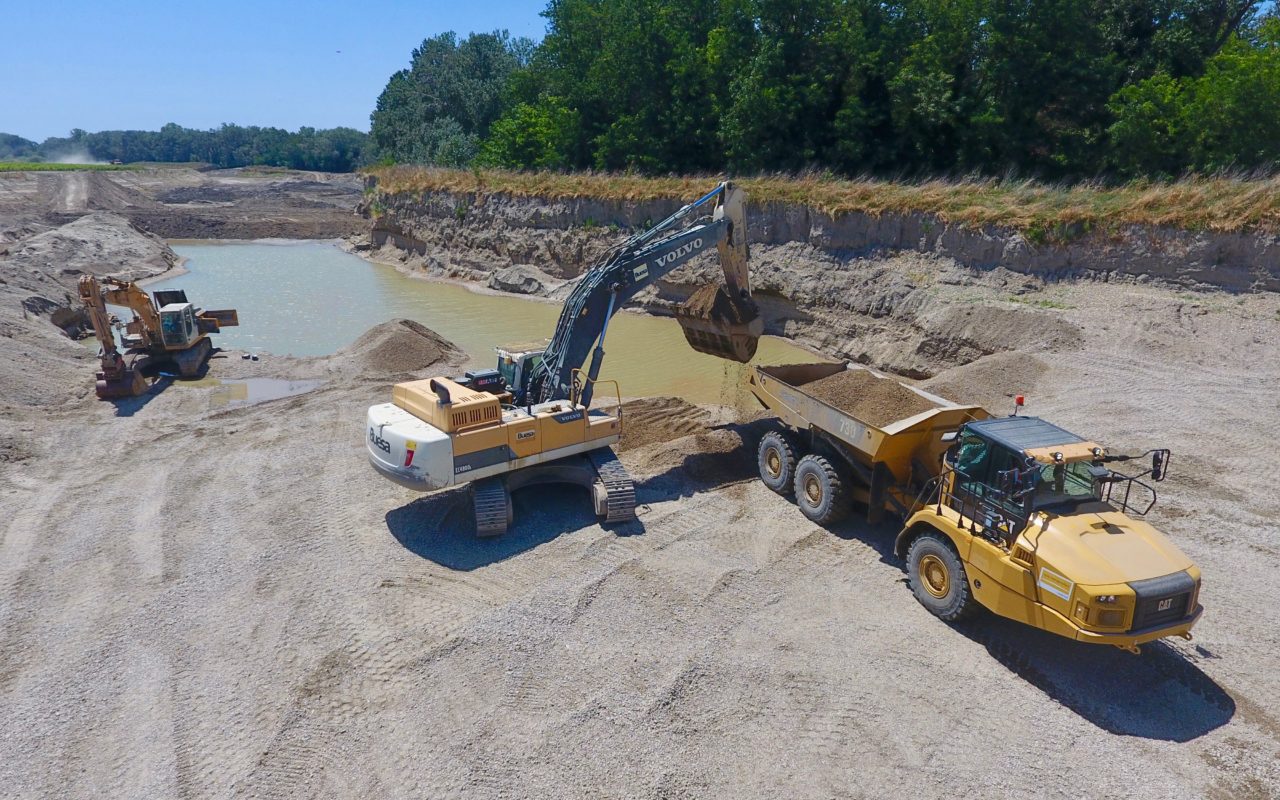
(311, 298)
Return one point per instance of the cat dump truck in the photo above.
(531, 419)
(1013, 514)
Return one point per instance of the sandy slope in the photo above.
(201, 601)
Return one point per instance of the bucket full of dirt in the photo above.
(718, 323)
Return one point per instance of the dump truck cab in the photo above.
(1045, 532)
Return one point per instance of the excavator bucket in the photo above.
(717, 323)
(130, 383)
(722, 320)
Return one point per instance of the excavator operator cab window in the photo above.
(177, 324)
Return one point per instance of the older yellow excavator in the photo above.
(165, 333)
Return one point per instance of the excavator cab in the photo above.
(178, 327)
(517, 362)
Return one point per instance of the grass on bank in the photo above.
(44, 166)
(1043, 212)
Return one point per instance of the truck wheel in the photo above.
(776, 458)
(820, 492)
(937, 578)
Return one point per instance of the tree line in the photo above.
(1056, 89)
(332, 150)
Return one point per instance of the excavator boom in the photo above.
(116, 378)
(727, 326)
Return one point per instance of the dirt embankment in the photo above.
(898, 293)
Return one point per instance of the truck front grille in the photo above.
(1162, 601)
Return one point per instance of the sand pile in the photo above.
(714, 301)
(395, 348)
(990, 382)
(652, 420)
(877, 401)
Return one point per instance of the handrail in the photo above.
(1125, 506)
(986, 518)
(577, 387)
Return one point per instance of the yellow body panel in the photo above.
(465, 408)
(522, 436)
(475, 439)
(1098, 545)
(599, 426)
(562, 428)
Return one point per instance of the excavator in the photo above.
(531, 420)
(167, 332)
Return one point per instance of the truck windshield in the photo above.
(1065, 483)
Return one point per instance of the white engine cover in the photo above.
(407, 450)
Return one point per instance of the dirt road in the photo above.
(203, 601)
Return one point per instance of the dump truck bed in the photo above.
(781, 389)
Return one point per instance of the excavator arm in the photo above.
(638, 263)
(116, 378)
(146, 320)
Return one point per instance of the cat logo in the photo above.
(522, 435)
(1165, 604)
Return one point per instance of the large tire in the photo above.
(820, 491)
(938, 579)
(776, 458)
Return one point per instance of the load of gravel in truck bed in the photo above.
(867, 398)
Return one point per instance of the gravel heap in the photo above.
(397, 347)
(875, 401)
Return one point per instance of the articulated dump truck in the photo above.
(1013, 514)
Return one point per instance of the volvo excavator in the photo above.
(165, 333)
(531, 420)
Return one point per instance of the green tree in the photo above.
(438, 110)
(1226, 117)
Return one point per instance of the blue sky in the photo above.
(140, 64)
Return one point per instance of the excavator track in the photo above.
(492, 504)
(620, 491)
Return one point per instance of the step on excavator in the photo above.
(531, 420)
(165, 333)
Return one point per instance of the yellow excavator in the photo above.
(531, 420)
(166, 332)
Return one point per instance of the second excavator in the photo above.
(166, 332)
(531, 420)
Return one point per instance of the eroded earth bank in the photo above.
(210, 600)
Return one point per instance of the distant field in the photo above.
(40, 166)
(1044, 212)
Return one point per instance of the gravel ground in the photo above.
(200, 600)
